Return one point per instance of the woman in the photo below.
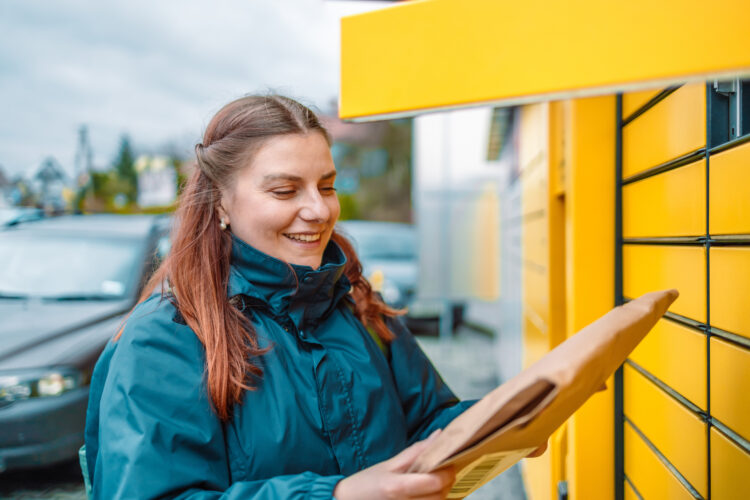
(267, 368)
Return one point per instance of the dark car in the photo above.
(16, 215)
(388, 253)
(65, 286)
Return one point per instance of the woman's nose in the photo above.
(315, 208)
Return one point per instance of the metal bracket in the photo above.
(725, 87)
(732, 90)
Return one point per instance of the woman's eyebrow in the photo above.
(294, 178)
(281, 177)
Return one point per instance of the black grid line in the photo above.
(709, 112)
(619, 422)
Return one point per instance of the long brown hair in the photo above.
(197, 267)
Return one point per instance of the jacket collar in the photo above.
(303, 293)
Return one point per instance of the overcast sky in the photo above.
(156, 70)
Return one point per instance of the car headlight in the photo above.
(37, 383)
(391, 293)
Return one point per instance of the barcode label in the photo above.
(483, 469)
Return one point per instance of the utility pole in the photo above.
(83, 156)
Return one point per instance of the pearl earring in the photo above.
(222, 224)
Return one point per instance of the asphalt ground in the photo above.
(467, 362)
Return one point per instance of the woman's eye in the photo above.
(283, 193)
(328, 189)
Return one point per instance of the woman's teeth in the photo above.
(303, 237)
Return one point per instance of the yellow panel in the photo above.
(534, 132)
(730, 386)
(648, 473)
(536, 295)
(729, 191)
(535, 341)
(542, 474)
(673, 429)
(730, 289)
(672, 128)
(486, 258)
(414, 56)
(535, 191)
(669, 204)
(729, 469)
(633, 101)
(537, 475)
(589, 225)
(536, 241)
(648, 268)
(676, 355)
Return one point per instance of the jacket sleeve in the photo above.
(158, 434)
(428, 403)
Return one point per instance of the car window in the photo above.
(383, 242)
(51, 266)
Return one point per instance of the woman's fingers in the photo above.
(402, 461)
(434, 483)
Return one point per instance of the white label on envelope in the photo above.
(483, 469)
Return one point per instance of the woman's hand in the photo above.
(389, 480)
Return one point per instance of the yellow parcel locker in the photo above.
(674, 430)
(672, 203)
(729, 191)
(676, 355)
(647, 268)
(649, 475)
(673, 128)
(730, 289)
(730, 386)
(730, 479)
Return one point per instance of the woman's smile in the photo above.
(304, 237)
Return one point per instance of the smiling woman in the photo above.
(266, 367)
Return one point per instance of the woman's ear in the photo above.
(222, 213)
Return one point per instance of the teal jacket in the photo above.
(330, 402)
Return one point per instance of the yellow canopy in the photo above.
(434, 54)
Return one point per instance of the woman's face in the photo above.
(283, 202)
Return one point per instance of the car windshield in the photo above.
(383, 242)
(66, 267)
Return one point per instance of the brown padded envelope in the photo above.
(526, 410)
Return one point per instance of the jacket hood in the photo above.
(303, 293)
